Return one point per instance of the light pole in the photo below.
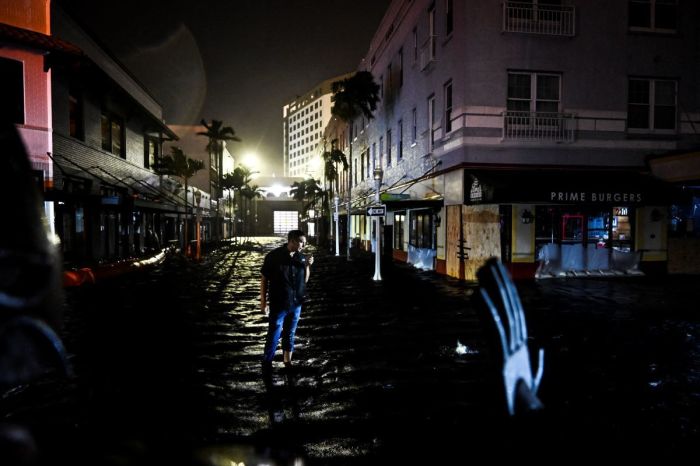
(378, 175)
(198, 237)
(337, 238)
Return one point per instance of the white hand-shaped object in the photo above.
(509, 319)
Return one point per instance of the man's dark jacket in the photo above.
(286, 275)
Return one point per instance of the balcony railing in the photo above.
(539, 126)
(539, 19)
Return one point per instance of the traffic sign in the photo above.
(376, 210)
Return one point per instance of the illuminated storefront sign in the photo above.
(475, 193)
(491, 186)
(559, 196)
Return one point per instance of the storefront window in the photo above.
(399, 219)
(567, 224)
(621, 229)
(546, 219)
(422, 229)
(599, 229)
(685, 219)
(572, 227)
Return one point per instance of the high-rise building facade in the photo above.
(304, 120)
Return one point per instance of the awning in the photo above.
(406, 204)
(399, 204)
(566, 186)
(677, 167)
(129, 185)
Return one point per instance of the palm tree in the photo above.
(352, 97)
(249, 192)
(309, 192)
(218, 134)
(235, 181)
(331, 160)
(178, 164)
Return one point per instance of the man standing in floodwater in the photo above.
(285, 272)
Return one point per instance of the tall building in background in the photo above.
(304, 120)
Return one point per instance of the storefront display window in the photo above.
(546, 217)
(572, 227)
(599, 229)
(572, 238)
(422, 229)
(685, 219)
(399, 219)
(621, 229)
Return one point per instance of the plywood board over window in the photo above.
(454, 230)
(482, 233)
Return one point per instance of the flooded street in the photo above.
(167, 369)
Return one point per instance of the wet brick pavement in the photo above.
(168, 367)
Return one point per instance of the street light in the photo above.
(251, 161)
(337, 238)
(378, 175)
(198, 237)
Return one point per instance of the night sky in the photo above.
(238, 61)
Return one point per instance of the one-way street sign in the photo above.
(376, 210)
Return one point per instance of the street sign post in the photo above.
(376, 210)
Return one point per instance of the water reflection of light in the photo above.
(464, 349)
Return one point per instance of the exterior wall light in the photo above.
(378, 175)
(526, 217)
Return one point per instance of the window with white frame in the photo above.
(381, 151)
(447, 96)
(369, 172)
(388, 147)
(653, 15)
(112, 130)
(374, 155)
(389, 79)
(651, 104)
(362, 166)
(431, 120)
(414, 125)
(449, 18)
(354, 171)
(399, 142)
(415, 45)
(431, 32)
(151, 151)
(534, 92)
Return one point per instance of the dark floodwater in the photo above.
(168, 370)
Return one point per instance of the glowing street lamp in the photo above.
(251, 161)
(378, 175)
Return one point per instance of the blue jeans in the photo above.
(282, 322)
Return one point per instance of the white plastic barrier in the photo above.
(421, 258)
